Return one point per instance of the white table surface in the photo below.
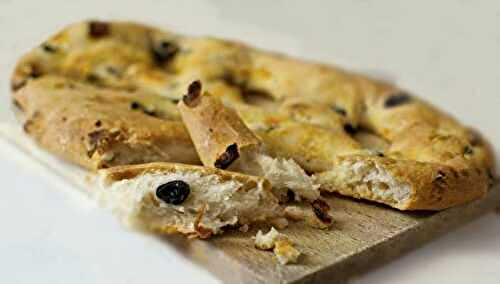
(444, 51)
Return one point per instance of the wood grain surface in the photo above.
(365, 235)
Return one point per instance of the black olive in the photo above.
(93, 78)
(138, 106)
(135, 105)
(350, 129)
(339, 110)
(164, 51)
(98, 29)
(397, 99)
(173, 192)
(468, 150)
(194, 92)
(49, 48)
(290, 195)
(35, 71)
(228, 157)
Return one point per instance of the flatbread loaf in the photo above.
(358, 136)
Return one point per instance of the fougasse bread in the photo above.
(357, 136)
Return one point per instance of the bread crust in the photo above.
(98, 128)
(131, 171)
(312, 112)
(430, 186)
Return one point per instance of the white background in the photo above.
(445, 51)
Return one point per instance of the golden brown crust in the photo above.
(431, 186)
(101, 128)
(118, 173)
(306, 111)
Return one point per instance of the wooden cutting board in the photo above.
(365, 235)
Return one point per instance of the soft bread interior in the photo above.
(283, 174)
(366, 179)
(212, 204)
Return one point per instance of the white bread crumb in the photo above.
(266, 241)
(282, 247)
(285, 252)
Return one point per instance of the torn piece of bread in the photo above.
(285, 252)
(192, 200)
(222, 140)
(402, 184)
(282, 247)
(266, 241)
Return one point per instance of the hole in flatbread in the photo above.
(371, 141)
(258, 98)
(250, 96)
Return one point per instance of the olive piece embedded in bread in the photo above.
(191, 99)
(228, 157)
(173, 192)
(397, 100)
(349, 129)
(341, 111)
(98, 29)
(164, 51)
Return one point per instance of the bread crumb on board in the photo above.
(285, 251)
(282, 247)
